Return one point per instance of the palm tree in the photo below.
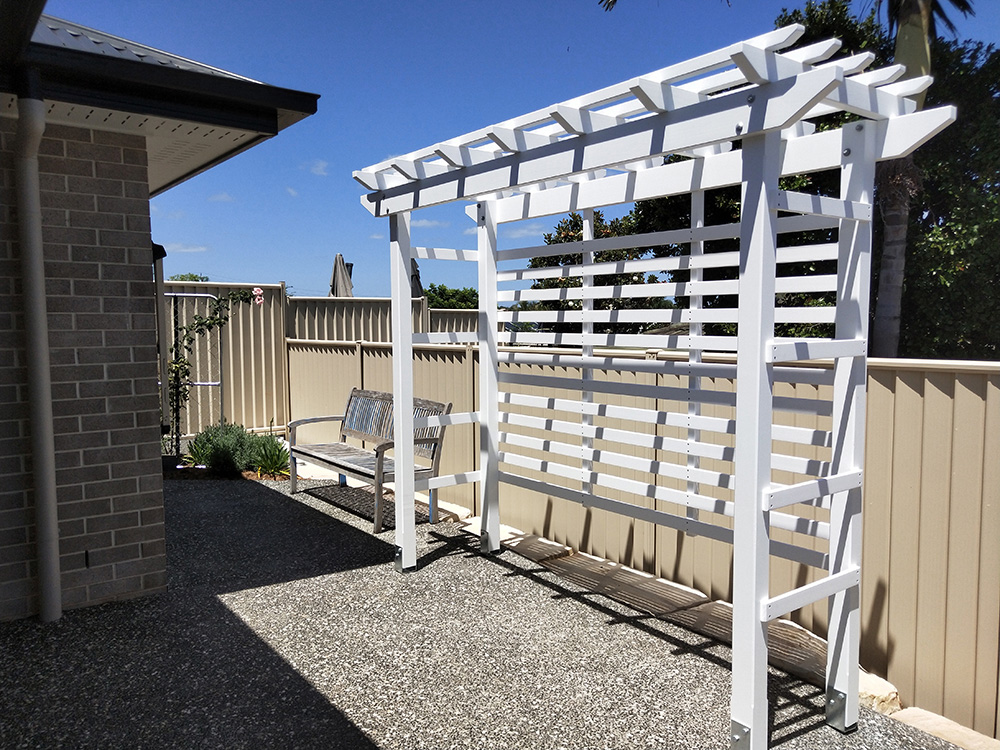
(915, 23)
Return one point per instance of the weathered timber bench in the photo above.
(368, 417)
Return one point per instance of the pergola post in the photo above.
(402, 386)
(850, 380)
(754, 395)
(489, 420)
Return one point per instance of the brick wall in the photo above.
(102, 340)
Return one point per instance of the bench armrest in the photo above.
(309, 420)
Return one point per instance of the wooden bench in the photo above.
(368, 417)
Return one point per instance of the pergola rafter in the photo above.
(574, 442)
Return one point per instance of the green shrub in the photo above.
(228, 450)
(225, 449)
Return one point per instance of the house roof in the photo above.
(192, 115)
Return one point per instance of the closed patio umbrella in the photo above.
(340, 282)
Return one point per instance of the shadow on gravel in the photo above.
(234, 535)
(180, 669)
(796, 707)
(361, 502)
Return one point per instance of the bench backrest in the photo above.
(369, 416)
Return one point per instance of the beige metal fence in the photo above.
(930, 594)
(348, 318)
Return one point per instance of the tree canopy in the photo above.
(441, 297)
(188, 277)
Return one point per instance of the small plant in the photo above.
(225, 449)
(271, 457)
(228, 449)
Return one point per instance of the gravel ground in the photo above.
(286, 625)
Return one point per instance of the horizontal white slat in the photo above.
(803, 596)
(630, 510)
(462, 417)
(799, 465)
(819, 407)
(812, 489)
(450, 480)
(645, 416)
(649, 466)
(637, 390)
(646, 341)
(666, 315)
(442, 253)
(802, 436)
(621, 484)
(679, 367)
(806, 526)
(805, 349)
(804, 555)
(796, 254)
(448, 337)
(626, 437)
(689, 525)
(637, 439)
(625, 291)
(818, 205)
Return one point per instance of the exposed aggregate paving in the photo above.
(287, 625)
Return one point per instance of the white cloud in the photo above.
(292, 191)
(429, 223)
(470, 230)
(318, 167)
(529, 230)
(222, 198)
(176, 247)
(376, 236)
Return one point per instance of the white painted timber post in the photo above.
(587, 350)
(697, 249)
(489, 420)
(849, 396)
(402, 390)
(754, 398)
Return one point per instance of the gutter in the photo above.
(30, 127)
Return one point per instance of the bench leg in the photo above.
(343, 480)
(378, 505)
(293, 475)
(432, 505)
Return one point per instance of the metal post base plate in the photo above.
(484, 545)
(836, 712)
(739, 737)
(399, 562)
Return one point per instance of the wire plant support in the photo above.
(706, 442)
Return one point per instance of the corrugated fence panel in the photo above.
(931, 599)
(248, 355)
(321, 376)
(348, 318)
(459, 321)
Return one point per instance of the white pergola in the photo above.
(608, 148)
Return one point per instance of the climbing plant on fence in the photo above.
(179, 367)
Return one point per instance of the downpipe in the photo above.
(30, 127)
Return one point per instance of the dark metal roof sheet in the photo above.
(56, 32)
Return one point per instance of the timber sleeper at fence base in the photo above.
(791, 647)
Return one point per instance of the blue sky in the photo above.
(394, 77)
